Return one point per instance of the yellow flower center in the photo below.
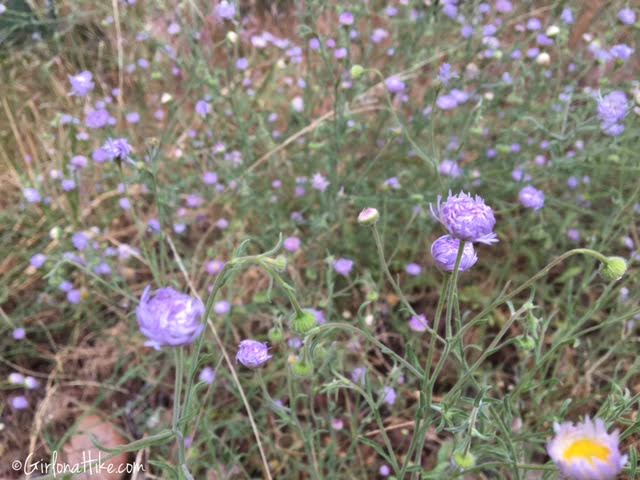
(585, 449)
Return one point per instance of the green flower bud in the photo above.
(614, 269)
(526, 343)
(464, 461)
(356, 71)
(304, 322)
(302, 368)
(279, 264)
(276, 335)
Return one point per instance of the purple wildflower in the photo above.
(242, 63)
(214, 267)
(207, 375)
(117, 148)
(19, 402)
(19, 333)
(394, 85)
(81, 84)
(574, 235)
(445, 252)
(291, 244)
(466, 218)
(379, 35)
(225, 10)
(38, 260)
(413, 269)
(74, 296)
(446, 73)
(169, 318)
(252, 354)
(627, 16)
(133, 117)
(612, 109)
(222, 307)
(389, 395)
(531, 197)
(80, 241)
(32, 195)
(343, 266)
(504, 6)
(621, 52)
(418, 323)
(98, 118)
(210, 178)
(319, 182)
(346, 18)
(449, 168)
(78, 162)
(203, 108)
(68, 184)
(567, 16)
(358, 375)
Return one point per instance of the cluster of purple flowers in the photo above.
(467, 219)
(612, 109)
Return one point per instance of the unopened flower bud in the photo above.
(464, 461)
(55, 233)
(553, 30)
(232, 37)
(302, 368)
(276, 335)
(543, 59)
(356, 71)
(614, 269)
(368, 216)
(303, 322)
(279, 264)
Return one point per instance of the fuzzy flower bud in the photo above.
(304, 322)
(275, 335)
(543, 58)
(302, 368)
(614, 269)
(464, 461)
(368, 216)
(356, 71)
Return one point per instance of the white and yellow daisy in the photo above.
(585, 451)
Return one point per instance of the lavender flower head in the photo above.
(394, 85)
(446, 73)
(612, 109)
(466, 218)
(117, 148)
(445, 252)
(418, 323)
(252, 354)
(343, 266)
(169, 318)
(627, 16)
(81, 84)
(585, 451)
(531, 197)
